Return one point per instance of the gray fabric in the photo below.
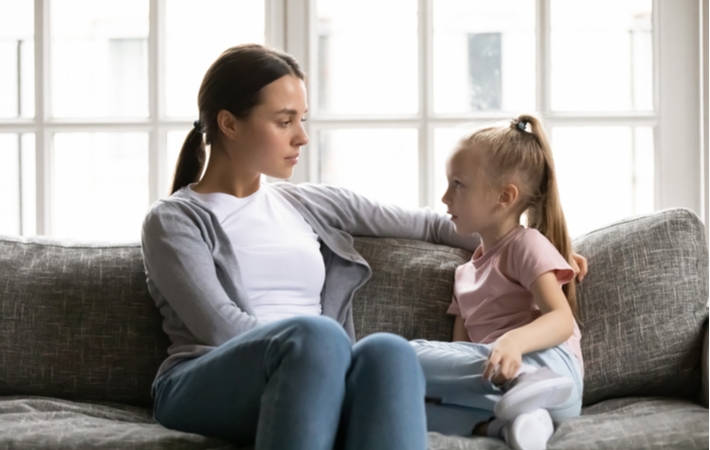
(194, 276)
(704, 367)
(643, 305)
(631, 423)
(76, 321)
(44, 423)
(410, 289)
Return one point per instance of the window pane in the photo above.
(384, 169)
(367, 56)
(17, 60)
(100, 188)
(99, 58)
(484, 56)
(196, 36)
(17, 184)
(9, 184)
(604, 173)
(602, 55)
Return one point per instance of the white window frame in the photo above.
(681, 160)
(679, 175)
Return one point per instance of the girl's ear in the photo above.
(508, 195)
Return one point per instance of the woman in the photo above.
(255, 280)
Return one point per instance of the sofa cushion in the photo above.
(410, 288)
(642, 306)
(77, 322)
(43, 423)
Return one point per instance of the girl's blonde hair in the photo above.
(513, 154)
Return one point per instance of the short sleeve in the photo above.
(454, 309)
(531, 254)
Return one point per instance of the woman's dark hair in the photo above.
(234, 82)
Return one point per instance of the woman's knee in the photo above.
(388, 350)
(320, 338)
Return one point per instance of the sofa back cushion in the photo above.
(643, 306)
(410, 288)
(77, 322)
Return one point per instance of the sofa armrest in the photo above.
(704, 359)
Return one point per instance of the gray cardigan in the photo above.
(194, 278)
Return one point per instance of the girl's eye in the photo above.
(304, 119)
(285, 124)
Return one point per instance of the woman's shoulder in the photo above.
(174, 211)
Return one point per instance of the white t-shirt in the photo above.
(277, 250)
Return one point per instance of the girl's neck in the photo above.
(493, 234)
(225, 175)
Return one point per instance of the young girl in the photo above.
(514, 302)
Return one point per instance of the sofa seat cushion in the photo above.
(621, 424)
(628, 423)
(44, 423)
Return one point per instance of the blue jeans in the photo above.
(299, 384)
(454, 375)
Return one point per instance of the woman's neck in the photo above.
(225, 175)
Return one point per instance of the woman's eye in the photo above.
(304, 119)
(285, 124)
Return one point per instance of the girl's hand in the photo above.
(504, 360)
(579, 265)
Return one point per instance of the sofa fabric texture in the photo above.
(81, 340)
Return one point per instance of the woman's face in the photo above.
(270, 140)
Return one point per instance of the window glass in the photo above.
(484, 56)
(602, 55)
(9, 184)
(100, 185)
(99, 58)
(604, 173)
(381, 164)
(367, 56)
(196, 34)
(17, 184)
(17, 60)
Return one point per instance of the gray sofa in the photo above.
(80, 338)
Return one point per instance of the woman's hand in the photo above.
(504, 360)
(579, 265)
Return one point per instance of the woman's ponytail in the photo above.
(191, 160)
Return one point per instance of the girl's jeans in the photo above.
(454, 376)
(299, 384)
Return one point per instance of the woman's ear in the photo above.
(229, 125)
(508, 195)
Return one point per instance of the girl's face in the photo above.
(270, 139)
(469, 197)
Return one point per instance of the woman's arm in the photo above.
(359, 216)
(180, 264)
(553, 327)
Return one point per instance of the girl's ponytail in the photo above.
(191, 160)
(545, 211)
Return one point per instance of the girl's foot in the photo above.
(529, 431)
(529, 391)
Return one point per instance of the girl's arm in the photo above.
(460, 333)
(553, 327)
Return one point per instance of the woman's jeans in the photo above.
(463, 398)
(299, 383)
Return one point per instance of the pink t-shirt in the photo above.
(492, 291)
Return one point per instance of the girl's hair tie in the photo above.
(198, 126)
(522, 124)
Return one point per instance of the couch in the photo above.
(81, 340)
